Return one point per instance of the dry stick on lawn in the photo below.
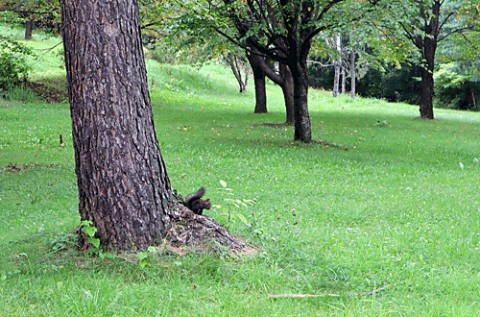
(375, 291)
(302, 295)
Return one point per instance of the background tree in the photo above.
(427, 23)
(174, 36)
(200, 31)
(262, 68)
(283, 31)
(43, 13)
(458, 76)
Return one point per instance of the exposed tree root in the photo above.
(192, 230)
(189, 231)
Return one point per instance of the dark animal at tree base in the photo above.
(195, 203)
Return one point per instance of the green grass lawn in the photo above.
(391, 201)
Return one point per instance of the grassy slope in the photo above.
(390, 205)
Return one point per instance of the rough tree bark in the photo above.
(122, 181)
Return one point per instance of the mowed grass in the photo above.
(385, 199)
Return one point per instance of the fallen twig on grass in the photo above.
(378, 290)
(375, 291)
(302, 295)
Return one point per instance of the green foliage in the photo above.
(14, 68)
(176, 33)
(232, 207)
(10, 17)
(145, 257)
(455, 90)
(44, 13)
(90, 230)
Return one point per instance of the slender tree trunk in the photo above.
(236, 65)
(122, 181)
(428, 51)
(344, 80)
(472, 97)
(336, 79)
(426, 102)
(287, 89)
(352, 75)
(29, 29)
(337, 64)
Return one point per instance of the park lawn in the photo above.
(381, 201)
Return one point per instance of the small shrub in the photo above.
(14, 68)
(455, 90)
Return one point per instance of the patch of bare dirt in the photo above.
(17, 168)
(50, 90)
(271, 125)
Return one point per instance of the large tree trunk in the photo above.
(260, 94)
(122, 181)
(123, 185)
(29, 29)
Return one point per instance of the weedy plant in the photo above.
(145, 257)
(231, 210)
(90, 230)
